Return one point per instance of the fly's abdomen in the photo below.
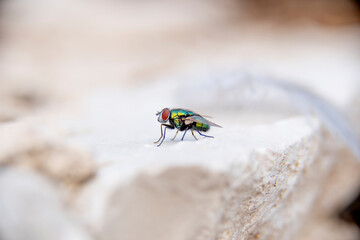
(202, 126)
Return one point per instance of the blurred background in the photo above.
(112, 62)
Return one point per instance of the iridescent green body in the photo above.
(178, 116)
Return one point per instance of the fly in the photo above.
(183, 120)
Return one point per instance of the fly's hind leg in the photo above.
(192, 131)
(204, 134)
(175, 135)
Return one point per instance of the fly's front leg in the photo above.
(166, 127)
(162, 135)
(175, 135)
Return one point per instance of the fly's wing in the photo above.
(200, 119)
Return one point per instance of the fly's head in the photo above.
(163, 115)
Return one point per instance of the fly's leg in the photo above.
(184, 135)
(169, 126)
(193, 134)
(204, 134)
(161, 134)
(164, 136)
(175, 135)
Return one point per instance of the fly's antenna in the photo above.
(158, 113)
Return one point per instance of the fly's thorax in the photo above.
(178, 112)
(178, 116)
(176, 122)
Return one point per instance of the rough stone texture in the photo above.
(338, 188)
(77, 105)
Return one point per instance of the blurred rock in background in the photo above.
(325, 12)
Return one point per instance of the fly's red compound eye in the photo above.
(165, 114)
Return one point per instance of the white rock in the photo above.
(228, 187)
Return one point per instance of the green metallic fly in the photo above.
(183, 120)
